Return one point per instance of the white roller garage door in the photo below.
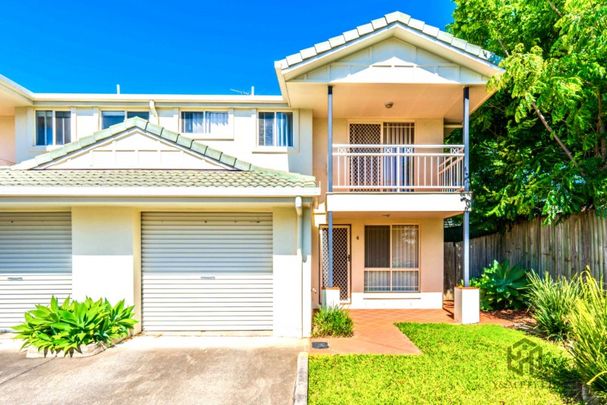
(207, 271)
(35, 261)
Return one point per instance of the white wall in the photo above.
(7, 140)
(393, 61)
(86, 122)
(241, 141)
(106, 246)
(25, 132)
(292, 288)
(106, 255)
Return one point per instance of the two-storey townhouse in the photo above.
(243, 213)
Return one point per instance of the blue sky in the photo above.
(175, 46)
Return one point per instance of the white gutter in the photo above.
(50, 191)
(158, 98)
(299, 238)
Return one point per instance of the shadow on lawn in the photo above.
(558, 372)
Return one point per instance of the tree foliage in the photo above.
(539, 145)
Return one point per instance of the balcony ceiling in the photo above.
(365, 100)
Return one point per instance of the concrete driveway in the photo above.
(157, 370)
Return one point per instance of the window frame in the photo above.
(229, 132)
(53, 112)
(272, 148)
(125, 112)
(392, 269)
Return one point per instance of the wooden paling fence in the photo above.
(561, 250)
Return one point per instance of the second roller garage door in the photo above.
(207, 271)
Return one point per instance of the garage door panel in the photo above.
(35, 262)
(207, 271)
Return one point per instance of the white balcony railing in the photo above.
(398, 168)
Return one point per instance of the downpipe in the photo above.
(299, 238)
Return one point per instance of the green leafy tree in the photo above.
(539, 145)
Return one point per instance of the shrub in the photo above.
(502, 286)
(68, 326)
(552, 302)
(589, 334)
(332, 321)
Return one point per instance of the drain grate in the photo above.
(320, 345)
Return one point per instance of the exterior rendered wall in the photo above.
(106, 255)
(7, 140)
(430, 262)
(86, 121)
(291, 317)
(25, 130)
(241, 141)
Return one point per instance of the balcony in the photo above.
(412, 177)
(398, 168)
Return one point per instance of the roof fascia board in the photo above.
(16, 89)
(164, 104)
(230, 203)
(50, 191)
(159, 98)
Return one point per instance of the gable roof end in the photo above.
(40, 161)
(389, 20)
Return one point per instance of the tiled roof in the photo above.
(154, 178)
(137, 122)
(385, 22)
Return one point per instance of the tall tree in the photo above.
(539, 145)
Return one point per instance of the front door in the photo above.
(341, 259)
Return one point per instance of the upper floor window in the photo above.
(53, 128)
(204, 122)
(275, 129)
(109, 118)
(141, 114)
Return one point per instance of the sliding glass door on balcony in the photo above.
(391, 258)
(379, 156)
(365, 169)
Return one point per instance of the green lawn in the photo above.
(459, 365)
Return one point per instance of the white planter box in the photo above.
(467, 305)
(330, 297)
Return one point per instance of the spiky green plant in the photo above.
(552, 302)
(502, 286)
(67, 326)
(589, 333)
(332, 321)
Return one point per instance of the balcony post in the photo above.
(466, 131)
(329, 186)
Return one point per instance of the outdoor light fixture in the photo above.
(389, 104)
